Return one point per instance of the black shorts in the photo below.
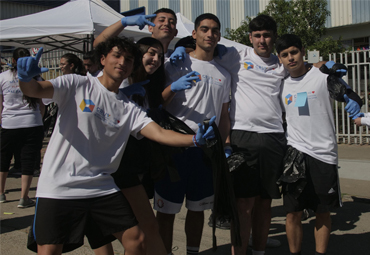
(264, 165)
(25, 141)
(321, 192)
(66, 221)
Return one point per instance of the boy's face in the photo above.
(207, 35)
(292, 59)
(165, 26)
(263, 42)
(90, 66)
(118, 64)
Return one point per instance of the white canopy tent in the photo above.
(73, 26)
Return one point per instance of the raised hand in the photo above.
(178, 54)
(28, 67)
(185, 82)
(139, 20)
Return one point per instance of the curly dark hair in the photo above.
(122, 43)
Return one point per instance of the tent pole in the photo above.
(92, 41)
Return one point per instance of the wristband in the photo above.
(195, 141)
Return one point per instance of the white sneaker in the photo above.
(271, 243)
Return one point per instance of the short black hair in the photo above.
(125, 44)
(204, 16)
(90, 55)
(187, 42)
(263, 22)
(165, 10)
(286, 41)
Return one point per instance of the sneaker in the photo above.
(271, 243)
(26, 202)
(2, 198)
(221, 222)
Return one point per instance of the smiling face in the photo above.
(292, 59)
(207, 35)
(152, 59)
(118, 64)
(65, 67)
(165, 27)
(263, 42)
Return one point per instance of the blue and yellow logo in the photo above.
(248, 65)
(87, 105)
(288, 99)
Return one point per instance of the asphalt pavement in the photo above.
(350, 224)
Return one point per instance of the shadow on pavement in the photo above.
(18, 223)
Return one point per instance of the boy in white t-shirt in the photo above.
(76, 193)
(191, 101)
(311, 136)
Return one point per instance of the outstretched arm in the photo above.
(155, 133)
(116, 28)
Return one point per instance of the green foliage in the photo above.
(240, 34)
(305, 18)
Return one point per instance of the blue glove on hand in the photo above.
(140, 20)
(352, 106)
(178, 54)
(358, 115)
(221, 49)
(135, 89)
(341, 72)
(228, 151)
(202, 135)
(185, 82)
(28, 67)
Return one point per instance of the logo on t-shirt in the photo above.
(248, 65)
(87, 105)
(288, 99)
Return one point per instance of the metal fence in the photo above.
(358, 64)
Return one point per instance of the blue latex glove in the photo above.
(221, 49)
(202, 135)
(28, 67)
(352, 106)
(358, 115)
(228, 152)
(135, 89)
(178, 54)
(342, 72)
(185, 82)
(139, 20)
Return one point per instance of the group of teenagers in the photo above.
(275, 110)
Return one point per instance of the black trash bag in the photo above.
(336, 88)
(224, 204)
(333, 69)
(293, 178)
(235, 160)
(161, 155)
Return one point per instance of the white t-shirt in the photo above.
(16, 112)
(89, 138)
(205, 99)
(310, 128)
(255, 89)
(366, 119)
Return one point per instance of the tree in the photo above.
(305, 18)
